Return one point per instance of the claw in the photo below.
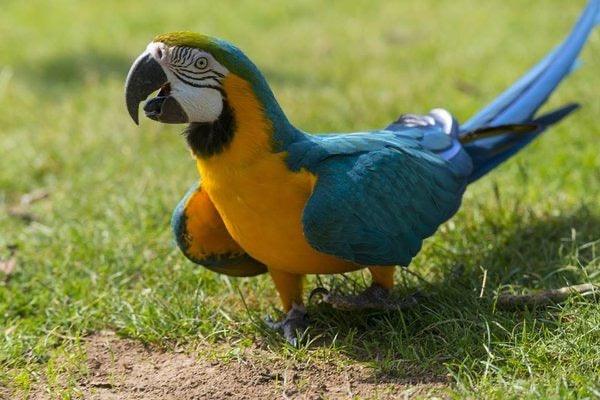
(318, 291)
(292, 326)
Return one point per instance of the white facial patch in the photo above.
(200, 104)
(196, 80)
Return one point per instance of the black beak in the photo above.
(144, 78)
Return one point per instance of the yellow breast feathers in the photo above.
(259, 198)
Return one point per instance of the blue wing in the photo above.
(379, 194)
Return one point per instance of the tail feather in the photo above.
(519, 103)
(492, 131)
(486, 159)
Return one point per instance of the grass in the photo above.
(98, 253)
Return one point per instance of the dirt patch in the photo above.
(125, 369)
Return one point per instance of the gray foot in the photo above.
(375, 297)
(292, 326)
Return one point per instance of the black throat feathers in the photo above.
(207, 139)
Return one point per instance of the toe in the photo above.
(291, 336)
(292, 326)
(275, 325)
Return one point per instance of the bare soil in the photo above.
(125, 369)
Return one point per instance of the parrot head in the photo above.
(188, 70)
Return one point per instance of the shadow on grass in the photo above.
(453, 323)
(71, 70)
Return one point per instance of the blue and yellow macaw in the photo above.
(275, 199)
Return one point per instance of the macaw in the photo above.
(275, 199)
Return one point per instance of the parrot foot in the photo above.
(375, 297)
(292, 326)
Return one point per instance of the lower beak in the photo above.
(144, 78)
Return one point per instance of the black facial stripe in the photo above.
(176, 55)
(208, 139)
(205, 80)
(198, 85)
(199, 80)
(181, 56)
(193, 74)
(186, 53)
(181, 64)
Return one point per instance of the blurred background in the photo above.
(86, 196)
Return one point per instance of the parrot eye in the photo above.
(201, 63)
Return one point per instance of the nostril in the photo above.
(158, 51)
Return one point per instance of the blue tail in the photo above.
(519, 103)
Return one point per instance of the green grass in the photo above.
(99, 255)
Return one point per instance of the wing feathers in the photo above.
(376, 208)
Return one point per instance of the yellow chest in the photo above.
(262, 207)
(258, 197)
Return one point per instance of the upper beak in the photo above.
(144, 78)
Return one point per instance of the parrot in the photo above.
(272, 198)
